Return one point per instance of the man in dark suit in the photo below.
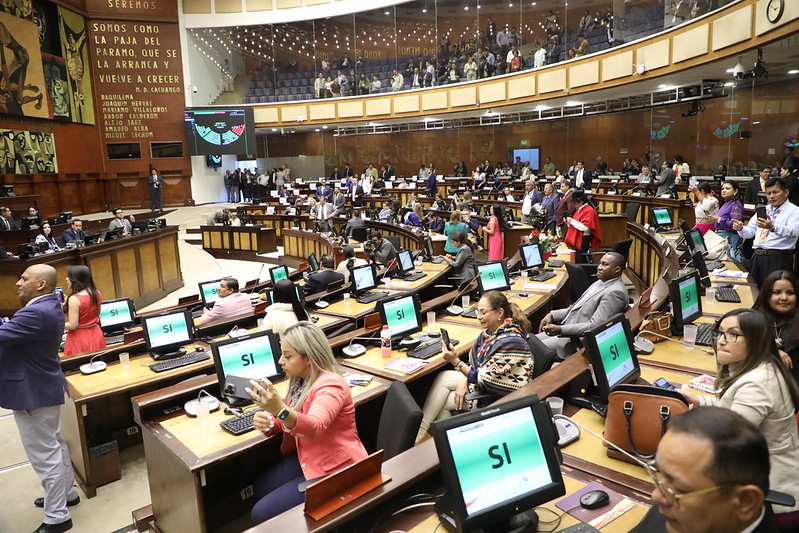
(711, 475)
(431, 186)
(322, 278)
(348, 172)
(324, 190)
(581, 176)
(32, 385)
(75, 231)
(6, 222)
(757, 185)
(356, 192)
(156, 185)
(5, 254)
(339, 202)
(665, 182)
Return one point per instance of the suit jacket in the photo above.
(320, 280)
(665, 182)
(653, 522)
(752, 188)
(7, 224)
(325, 437)
(339, 202)
(30, 369)
(151, 181)
(230, 306)
(358, 201)
(550, 203)
(563, 206)
(587, 178)
(3, 252)
(432, 186)
(588, 312)
(71, 235)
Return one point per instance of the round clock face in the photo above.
(774, 9)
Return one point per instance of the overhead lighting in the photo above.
(541, 108)
(794, 71)
(573, 103)
(317, 130)
(729, 84)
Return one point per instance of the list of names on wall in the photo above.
(137, 71)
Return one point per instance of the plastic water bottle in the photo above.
(385, 342)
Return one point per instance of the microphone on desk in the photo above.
(354, 350)
(457, 309)
(642, 343)
(603, 439)
(93, 366)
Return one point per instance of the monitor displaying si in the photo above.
(493, 276)
(117, 315)
(255, 356)
(218, 131)
(685, 301)
(313, 263)
(661, 216)
(401, 314)
(497, 462)
(166, 333)
(209, 292)
(405, 261)
(278, 273)
(609, 347)
(695, 241)
(531, 256)
(363, 278)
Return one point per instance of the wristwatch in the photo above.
(283, 414)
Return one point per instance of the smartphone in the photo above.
(59, 291)
(761, 212)
(445, 337)
(663, 384)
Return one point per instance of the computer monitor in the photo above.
(609, 348)
(695, 241)
(363, 278)
(67, 215)
(313, 263)
(7, 190)
(165, 333)
(209, 292)
(117, 315)
(29, 223)
(685, 301)
(699, 264)
(112, 234)
(360, 234)
(531, 255)
(401, 314)
(661, 217)
(496, 462)
(278, 273)
(56, 220)
(405, 261)
(255, 356)
(493, 276)
(428, 247)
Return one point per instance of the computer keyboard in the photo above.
(177, 362)
(369, 297)
(470, 313)
(704, 334)
(114, 339)
(556, 263)
(197, 313)
(429, 349)
(414, 276)
(543, 276)
(437, 260)
(713, 265)
(727, 294)
(240, 424)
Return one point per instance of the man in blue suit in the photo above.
(156, 184)
(319, 280)
(32, 385)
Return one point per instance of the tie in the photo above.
(579, 178)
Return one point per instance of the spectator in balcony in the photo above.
(364, 86)
(503, 42)
(553, 51)
(586, 22)
(429, 74)
(582, 46)
(551, 25)
(513, 38)
(328, 83)
(460, 169)
(319, 86)
(516, 62)
(370, 171)
(539, 56)
(470, 70)
(376, 85)
(397, 80)
(344, 82)
(345, 62)
(491, 30)
(409, 68)
(335, 88)
(417, 80)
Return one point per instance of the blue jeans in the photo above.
(276, 490)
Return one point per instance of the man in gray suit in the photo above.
(339, 202)
(605, 298)
(665, 182)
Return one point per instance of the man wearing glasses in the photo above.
(711, 475)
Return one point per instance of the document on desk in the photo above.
(403, 365)
(730, 274)
(541, 286)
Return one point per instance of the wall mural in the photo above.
(27, 152)
(22, 86)
(73, 42)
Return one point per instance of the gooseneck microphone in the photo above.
(354, 350)
(454, 309)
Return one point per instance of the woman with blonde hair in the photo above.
(317, 418)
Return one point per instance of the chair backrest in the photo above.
(543, 355)
(631, 211)
(578, 280)
(395, 241)
(623, 247)
(399, 421)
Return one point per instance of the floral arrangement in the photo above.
(538, 217)
(545, 240)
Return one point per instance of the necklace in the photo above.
(778, 335)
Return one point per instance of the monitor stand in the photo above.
(524, 522)
(162, 356)
(237, 402)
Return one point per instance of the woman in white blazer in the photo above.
(286, 310)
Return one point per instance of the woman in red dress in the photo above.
(83, 312)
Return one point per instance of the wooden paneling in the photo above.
(434, 100)
(617, 66)
(378, 106)
(103, 274)
(227, 6)
(265, 114)
(323, 111)
(521, 86)
(350, 108)
(551, 81)
(655, 55)
(584, 74)
(129, 271)
(197, 6)
(492, 92)
(691, 43)
(291, 113)
(149, 271)
(406, 104)
(462, 97)
(733, 28)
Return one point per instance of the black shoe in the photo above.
(39, 502)
(54, 528)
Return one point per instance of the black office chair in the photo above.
(578, 280)
(631, 211)
(399, 421)
(583, 255)
(623, 247)
(543, 355)
(395, 241)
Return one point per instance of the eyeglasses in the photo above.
(728, 336)
(483, 312)
(672, 496)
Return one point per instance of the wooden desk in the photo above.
(238, 242)
(746, 292)
(201, 477)
(145, 267)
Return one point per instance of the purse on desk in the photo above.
(657, 322)
(638, 416)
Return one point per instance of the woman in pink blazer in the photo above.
(317, 418)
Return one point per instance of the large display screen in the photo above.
(220, 131)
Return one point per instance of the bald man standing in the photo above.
(32, 384)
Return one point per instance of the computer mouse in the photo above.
(594, 499)
(521, 295)
(314, 319)
(549, 270)
(199, 349)
(434, 334)
(724, 285)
